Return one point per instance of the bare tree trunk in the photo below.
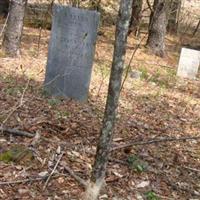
(174, 13)
(95, 4)
(135, 16)
(197, 28)
(13, 32)
(157, 27)
(104, 144)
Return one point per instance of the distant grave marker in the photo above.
(71, 52)
(189, 63)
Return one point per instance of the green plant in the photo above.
(43, 92)
(54, 102)
(16, 154)
(155, 77)
(145, 74)
(62, 114)
(164, 78)
(14, 90)
(136, 164)
(103, 69)
(150, 195)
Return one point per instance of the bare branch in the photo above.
(168, 139)
(77, 178)
(129, 65)
(149, 5)
(16, 132)
(52, 172)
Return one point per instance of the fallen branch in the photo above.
(118, 161)
(30, 179)
(18, 105)
(191, 169)
(23, 181)
(168, 139)
(77, 178)
(52, 172)
(16, 132)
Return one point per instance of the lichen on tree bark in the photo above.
(157, 27)
(13, 32)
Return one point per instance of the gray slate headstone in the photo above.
(71, 52)
(189, 63)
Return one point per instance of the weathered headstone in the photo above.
(189, 63)
(71, 52)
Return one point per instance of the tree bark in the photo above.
(13, 31)
(135, 17)
(104, 144)
(157, 27)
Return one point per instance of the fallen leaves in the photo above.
(146, 110)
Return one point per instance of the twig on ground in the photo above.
(178, 187)
(4, 26)
(16, 107)
(167, 139)
(77, 178)
(191, 169)
(164, 197)
(53, 171)
(118, 161)
(30, 179)
(23, 181)
(16, 132)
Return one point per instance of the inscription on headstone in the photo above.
(189, 63)
(71, 52)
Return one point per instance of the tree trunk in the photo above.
(95, 4)
(13, 32)
(104, 144)
(135, 17)
(174, 13)
(157, 27)
(196, 29)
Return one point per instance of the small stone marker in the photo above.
(71, 52)
(189, 63)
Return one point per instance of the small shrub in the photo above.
(150, 195)
(145, 74)
(136, 164)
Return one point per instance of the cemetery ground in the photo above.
(154, 105)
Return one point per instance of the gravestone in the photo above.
(71, 52)
(189, 63)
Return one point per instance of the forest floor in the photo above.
(157, 106)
